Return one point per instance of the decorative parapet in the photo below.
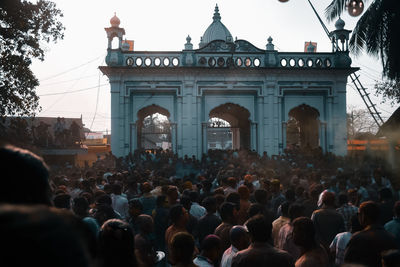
(239, 54)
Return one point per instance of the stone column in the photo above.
(173, 137)
(117, 134)
(253, 135)
(204, 126)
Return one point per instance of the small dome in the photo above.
(114, 21)
(339, 24)
(216, 31)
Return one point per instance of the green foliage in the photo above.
(24, 28)
(377, 32)
(389, 90)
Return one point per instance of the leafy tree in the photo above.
(360, 124)
(389, 90)
(377, 32)
(24, 28)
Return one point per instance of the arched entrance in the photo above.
(154, 128)
(229, 122)
(302, 129)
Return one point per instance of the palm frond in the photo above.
(335, 9)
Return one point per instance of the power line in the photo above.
(71, 69)
(75, 91)
(66, 81)
(97, 102)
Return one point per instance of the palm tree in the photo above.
(377, 32)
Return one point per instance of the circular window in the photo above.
(157, 61)
(202, 61)
(221, 62)
(166, 62)
(211, 62)
(328, 63)
(292, 62)
(300, 62)
(283, 62)
(257, 62)
(239, 62)
(247, 62)
(175, 61)
(318, 62)
(129, 61)
(147, 62)
(139, 61)
(309, 63)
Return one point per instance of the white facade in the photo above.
(191, 85)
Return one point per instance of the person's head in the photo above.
(179, 215)
(116, 244)
(304, 233)
(172, 194)
(228, 212)
(145, 224)
(328, 199)
(260, 228)
(211, 247)
(255, 208)
(46, 236)
(135, 207)
(185, 202)
(161, 201)
(239, 237)
(295, 210)
(234, 197)
(80, 206)
(25, 177)
(390, 258)
(210, 203)
(261, 196)
(385, 194)
(290, 195)
(104, 200)
(355, 224)
(342, 199)
(244, 192)
(117, 188)
(146, 187)
(275, 186)
(231, 182)
(368, 213)
(62, 201)
(182, 248)
(194, 196)
(285, 209)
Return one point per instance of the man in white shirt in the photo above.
(240, 240)
(196, 210)
(120, 203)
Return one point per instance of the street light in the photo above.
(355, 7)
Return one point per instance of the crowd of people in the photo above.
(229, 208)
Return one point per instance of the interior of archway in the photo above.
(153, 128)
(233, 131)
(302, 128)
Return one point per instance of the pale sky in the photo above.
(71, 65)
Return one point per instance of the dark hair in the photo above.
(295, 211)
(226, 210)
(290, 195)
(328, 198)
(304, 232)
(210, 203)
(185, 202)
(234, 197)
(343, 199)
(160, 200)
(62, 201)
(135, 203)
(355, 224)
(285, 208)
(80, 206)
(385, 194)
(261, 196)
(259, 228)
(24, 177)
(176, 212)
(182, 247)
(117, 189)
(210, 242)
(104, 199)
(255, 209)
(116, 244)
(370, 210)
(194, 196)
(47, 236)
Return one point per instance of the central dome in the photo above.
(216, 31)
